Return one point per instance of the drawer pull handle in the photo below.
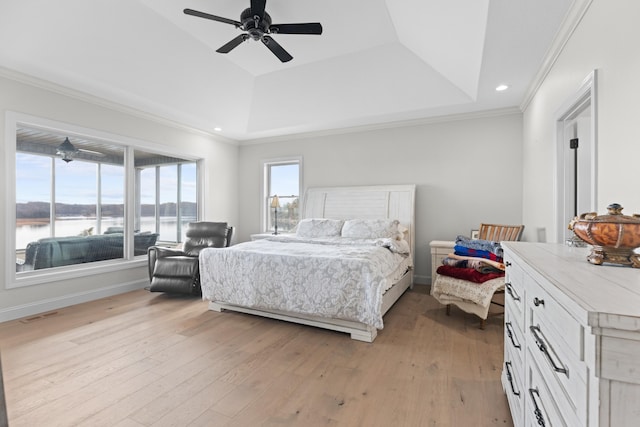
(507, 365)
(536, 411)
(509, 327)
(508, 264)
(546, 349)
(538, 302)
(513, 294)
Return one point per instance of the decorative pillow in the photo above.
(403, 232)
(319, 227)
(370, 228)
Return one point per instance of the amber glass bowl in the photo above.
(614, 236)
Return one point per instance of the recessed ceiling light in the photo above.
(500, 88)
(217, 129)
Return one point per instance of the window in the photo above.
(71, 204)
(167, 200)
(282, 178)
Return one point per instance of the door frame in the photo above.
(585, 97)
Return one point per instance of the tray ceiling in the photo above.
(377, 61)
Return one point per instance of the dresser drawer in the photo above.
(541, 405)
(556, 320)
(514, 336)
(514, 289)
(512, 383)
(555, 340)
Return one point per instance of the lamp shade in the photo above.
(275, 202)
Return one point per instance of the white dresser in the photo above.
(572, 338)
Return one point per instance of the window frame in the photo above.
(266, 185)
(13, 120)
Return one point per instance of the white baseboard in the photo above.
(36, 307)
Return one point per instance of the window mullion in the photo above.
(52, 203)
(99, 199)
(157, 199)
(178, 204)
(129, 202)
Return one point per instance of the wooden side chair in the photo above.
(499, 233)
(452, 291)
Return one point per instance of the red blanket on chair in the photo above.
(470, 274)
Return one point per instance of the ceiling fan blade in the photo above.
(277, 50)
(95, 153)
(212, 17)
(257, 7)
(308, 28)
(233, 44)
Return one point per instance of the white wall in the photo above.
(607, 39)
(47, 101)
(467, 171)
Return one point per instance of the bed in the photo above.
(349, 262)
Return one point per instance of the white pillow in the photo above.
(319, 227)
(370, 228)
(403, 232)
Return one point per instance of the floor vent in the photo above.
(39, 317)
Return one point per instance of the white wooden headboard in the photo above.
(366, 202)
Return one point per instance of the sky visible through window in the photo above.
(32, 177)
(284, 180)
(76, 182)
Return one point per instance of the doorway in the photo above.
(576, 165)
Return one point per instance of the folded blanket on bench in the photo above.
(470, 274)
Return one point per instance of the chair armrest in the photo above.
(161, 251)
(156, 252)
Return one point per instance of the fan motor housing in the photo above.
(253, 25)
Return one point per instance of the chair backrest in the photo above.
(498, 232)
(203, 234)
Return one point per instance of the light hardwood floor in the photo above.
(142, 359)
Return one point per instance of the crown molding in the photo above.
(85, 97)
(387, 125)
(101, 102)
(571, 21)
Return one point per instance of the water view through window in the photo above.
(70, 208)
(31, 230)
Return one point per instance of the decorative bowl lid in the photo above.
(614, 215)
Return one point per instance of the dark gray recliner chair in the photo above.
(178, 271)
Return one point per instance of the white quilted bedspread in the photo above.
(332, 278)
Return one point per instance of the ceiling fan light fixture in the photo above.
(256, 24)
(67, 151)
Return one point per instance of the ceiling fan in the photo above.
(67, 151)
(256, 23)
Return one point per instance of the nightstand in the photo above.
(439, 251)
